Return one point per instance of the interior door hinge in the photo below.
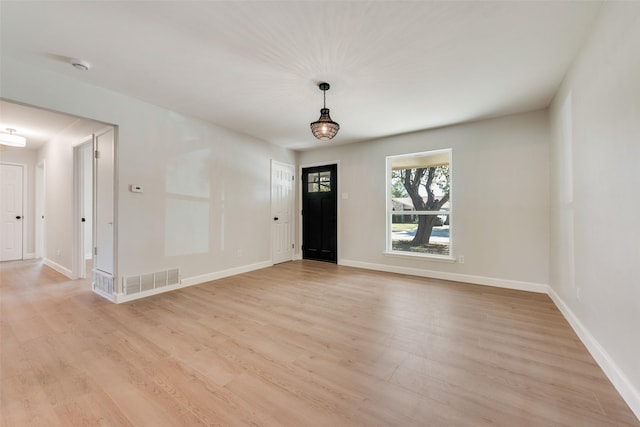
(95, 251)
(97, 154)
(293, 246)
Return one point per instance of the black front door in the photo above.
(320, 213)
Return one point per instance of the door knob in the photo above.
(275, 218)
(18, 217)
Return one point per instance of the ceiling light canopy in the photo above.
(8, 138)
(324, 129)
(80, 64)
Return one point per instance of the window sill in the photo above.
(426, 257)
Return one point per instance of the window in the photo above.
(419, 204)
(319, 182)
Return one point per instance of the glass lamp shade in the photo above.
(12, 140)
(325, 128)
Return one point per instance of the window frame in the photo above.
(389, 212)
(320, 184)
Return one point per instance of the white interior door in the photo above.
(282, 206)
(87, 200)
(104, 202)
(11, 188)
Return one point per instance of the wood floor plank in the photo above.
(301, 343)
(95, 409)
(213, 404)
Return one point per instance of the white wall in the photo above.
(26, 157)
(193, 173)
(595, 239)
(58, 157)
(500, 199)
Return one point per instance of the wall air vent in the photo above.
(103, 282)
(147, 282)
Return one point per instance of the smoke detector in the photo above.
(81, 65)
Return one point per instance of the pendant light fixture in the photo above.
(324, 129)
(8, 138)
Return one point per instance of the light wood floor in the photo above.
(299, 344)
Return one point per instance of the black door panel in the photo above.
(320, 213)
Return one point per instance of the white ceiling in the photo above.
(254, 66)
(41, 126)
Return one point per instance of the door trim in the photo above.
(298, 253)
(25, 194)
(114, 212)
(40, 188)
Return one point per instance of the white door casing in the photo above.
(11, 212)
(282, 206)
(40, 213)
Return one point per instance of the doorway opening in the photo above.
(83, 201)
(59, 163)
(94, 207)
(320, 213)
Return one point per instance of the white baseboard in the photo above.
(629, 393)
(57, 267)
(120, 298)
(196, 280)
(30, 255)
(456, 277)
